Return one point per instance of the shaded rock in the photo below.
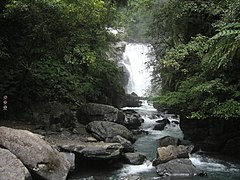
(53, 115)
(232, 147)
(165, 154)
(132, 100)
(132, 177)
(175, 122)
(11, 167)
(134, 158)
(132, 120)
(103, 129)
(95, 151)
(161, 124)
(140, 132)
(99, 112)
(194, 129)
(213, 144)
(178, 167)
(127, 145)
(163, 121)
(35, 153)
(159, 127)
(168, 140)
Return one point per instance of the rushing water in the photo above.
(217, 168)
(134, 59)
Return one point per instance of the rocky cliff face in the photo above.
(214, 135)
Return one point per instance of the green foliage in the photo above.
(199, 74)
(56, 50)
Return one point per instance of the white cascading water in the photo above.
(135, 58)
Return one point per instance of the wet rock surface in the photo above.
(134, 158)
(132, 119)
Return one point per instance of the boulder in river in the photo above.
(159, 127)
(94, 151)
(163, 121)
(133, 120)
(134, 158)
(11, 167)
(178, 167)
(127, 145)
(168, 140)
(99, 112)
(35, 153)
(104, 129)
(165, 154)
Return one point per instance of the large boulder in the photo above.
(178, 167)
(104, 129)
(133, 120)
(94, 151)
(11, 167)
(35, 153)
(134, 158)
(127, 145)
(99, 112)
(165, 154)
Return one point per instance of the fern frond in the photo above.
(226, 33)
(235, 25)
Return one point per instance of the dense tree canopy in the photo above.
(56, 50)
(196, 71)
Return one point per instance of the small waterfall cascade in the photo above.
(135, 57)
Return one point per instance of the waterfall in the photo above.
(135, 57)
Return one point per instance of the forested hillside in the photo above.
(197, 48)
(56, 50)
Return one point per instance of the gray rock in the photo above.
(71, 159)
(103, 129)
(99, 112)
(161, 124)
(165, 154)
(134, 158)
(168, 140)
(95, 151)
(132, 100)
(11, 167)
(35, 153)
(132, 119)
(178, 167)
(132, 177)
(127, 145)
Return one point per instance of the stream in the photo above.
(217, 167)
